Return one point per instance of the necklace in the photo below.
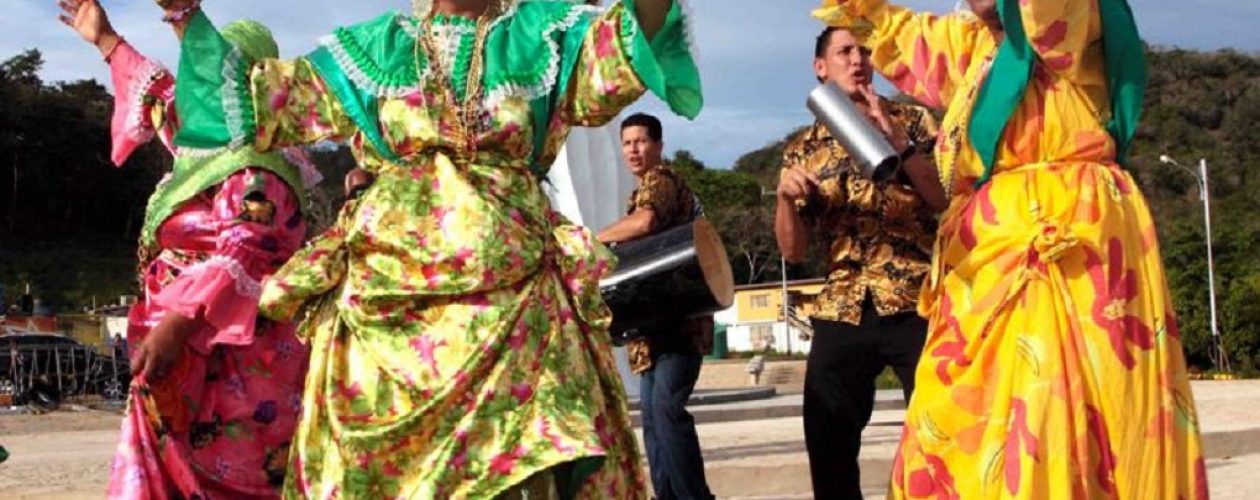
(468, 111)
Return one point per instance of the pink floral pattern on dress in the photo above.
(1052, 367)
(219, 425)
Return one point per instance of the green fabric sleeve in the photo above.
(665, 64)
(214, 109)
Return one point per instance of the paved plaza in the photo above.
(753, 449)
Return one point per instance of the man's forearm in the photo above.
(631, 227)
(789, 231)
(923, 175)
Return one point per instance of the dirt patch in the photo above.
(60, 455)
(60, 421)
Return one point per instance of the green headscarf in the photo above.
(193, 174)
(1003, 90)
(254, 39)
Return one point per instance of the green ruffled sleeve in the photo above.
(617, 63)
(226, 100)
(666, 64)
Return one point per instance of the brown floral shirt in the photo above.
(666, 194)
(880, 233)
(673, 204)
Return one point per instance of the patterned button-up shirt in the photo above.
(672, 204)
(880, 233)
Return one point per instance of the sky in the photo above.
(754, 55)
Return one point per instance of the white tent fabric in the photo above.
(589, 183)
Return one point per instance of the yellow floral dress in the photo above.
(1053, 366)
(463, 348)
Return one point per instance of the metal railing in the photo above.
(50, 374)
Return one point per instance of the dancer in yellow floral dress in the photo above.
(466, 354)
(1053, 367)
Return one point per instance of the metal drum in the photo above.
(679, 273)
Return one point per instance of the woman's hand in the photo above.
(163, 347)
(357, 180)
(88, 19)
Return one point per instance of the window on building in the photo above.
(762, 337)
(760, 301)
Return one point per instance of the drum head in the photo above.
(713, 262)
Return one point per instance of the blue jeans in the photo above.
(669, 431)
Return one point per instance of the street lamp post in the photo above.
(1201, 176)
(787, 325)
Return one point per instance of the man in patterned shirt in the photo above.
(881, 236)
(668, 358)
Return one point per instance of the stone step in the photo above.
(711, 397)
(786, 376)
(756, 449)
(778, 406)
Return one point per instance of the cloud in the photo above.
(755, 55)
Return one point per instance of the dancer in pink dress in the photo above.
(218, 388)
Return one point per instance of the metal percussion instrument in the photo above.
(679, 273)
(864, 142)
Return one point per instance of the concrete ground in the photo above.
(753, 450)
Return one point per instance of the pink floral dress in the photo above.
(218, 425)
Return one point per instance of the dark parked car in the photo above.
(42, 368)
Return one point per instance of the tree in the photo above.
(763, 164)
(733, 202)
(69, 221)
(750, 247)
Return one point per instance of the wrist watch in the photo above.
(912, 148)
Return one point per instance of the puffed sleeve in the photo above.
(224, 99)
(144, 97)
(258, 225)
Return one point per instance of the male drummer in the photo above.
(668, 357)
(879, 237)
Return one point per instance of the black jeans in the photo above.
(669, 431)
(844, 361)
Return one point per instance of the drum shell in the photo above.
(661, 278)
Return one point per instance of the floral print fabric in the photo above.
(879, 234)
(1053, 366)
(219, 424)
(459, 340)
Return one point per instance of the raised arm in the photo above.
(924, 55)
(796, 186)
(652, 15)
(1062, 33)
(144, 102)
(228, 96)
(143, 89)
(607, 60)
(633, 47)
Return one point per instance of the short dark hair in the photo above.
(823, 40)
(651, 123)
